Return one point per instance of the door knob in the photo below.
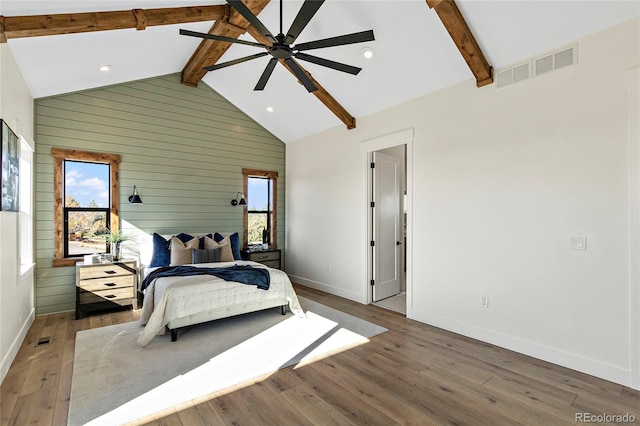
(398, 243)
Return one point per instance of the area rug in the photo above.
(116, 381)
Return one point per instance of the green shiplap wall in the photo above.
(183, 147)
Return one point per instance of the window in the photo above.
(86, 207)
(260, 189)
(258, 207)
(86, 203)
(26, 209)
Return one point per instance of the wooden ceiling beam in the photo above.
(329, 101)
(464, 40)
(232, 25)
(69, 23)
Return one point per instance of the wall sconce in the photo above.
(135, 198)
(239, 200)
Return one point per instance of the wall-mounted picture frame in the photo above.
(10, 168)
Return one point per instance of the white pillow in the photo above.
(226, 255)
(181, 252)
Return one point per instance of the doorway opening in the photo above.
(388, 228)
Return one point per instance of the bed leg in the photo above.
(283, 309)
(174, 334)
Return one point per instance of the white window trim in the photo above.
(25, 215)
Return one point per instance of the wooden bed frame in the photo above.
(225, 312)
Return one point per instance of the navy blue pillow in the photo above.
(235, 244)
(184, 237)
(161, 253)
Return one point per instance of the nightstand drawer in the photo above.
(107, 283)
(106, 270)
(121, 296)
(270, 258)
(275, 264)
(261, 257)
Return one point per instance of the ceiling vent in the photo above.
(537, 66)
(514, 74)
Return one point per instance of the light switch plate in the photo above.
(579, 243)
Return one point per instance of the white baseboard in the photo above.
(565, 359)
(356, 297)
(15, 345)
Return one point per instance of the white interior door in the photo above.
(386, 226)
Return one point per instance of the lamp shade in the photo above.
(239, 200)
(135, 198)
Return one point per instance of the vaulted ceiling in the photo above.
(420, 47)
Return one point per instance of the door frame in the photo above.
(367, 147)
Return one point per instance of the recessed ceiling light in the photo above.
(105, 68)
(368, 52)
(270, 108)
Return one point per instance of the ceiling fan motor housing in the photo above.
(280, 51)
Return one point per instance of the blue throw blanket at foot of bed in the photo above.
(245, 274)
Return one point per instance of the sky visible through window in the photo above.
(87, 182)
(257, 197)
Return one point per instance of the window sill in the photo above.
(67, 261)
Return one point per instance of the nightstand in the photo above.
(270, 257)
(105, 286)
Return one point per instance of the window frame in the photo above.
(272, 219)
(59, 157)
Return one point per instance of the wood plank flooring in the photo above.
(412, 375)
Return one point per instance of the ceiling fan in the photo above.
(282, 47)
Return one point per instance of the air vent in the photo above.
(540, 65)
(565, 58)
(543, 65)
(513, 75)
(521, 73)
(43, 341)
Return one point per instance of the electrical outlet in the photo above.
(485, 302)
(579, 243)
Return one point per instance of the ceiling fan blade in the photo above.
(308, 9)
(266, 74)
(328, 63)
(337, 41)
(235, 61)
(253, 20)
(221, 38)
(302, 76)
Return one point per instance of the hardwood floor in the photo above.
(414, 374)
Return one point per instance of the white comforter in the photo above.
(169, 298)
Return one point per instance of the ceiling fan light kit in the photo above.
(283, 48)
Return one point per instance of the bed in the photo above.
(174, 302)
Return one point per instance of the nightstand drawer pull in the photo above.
(110, 272)
(110, 296)
(110, 284)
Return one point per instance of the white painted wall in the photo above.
(502, 179)
(16, 289)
